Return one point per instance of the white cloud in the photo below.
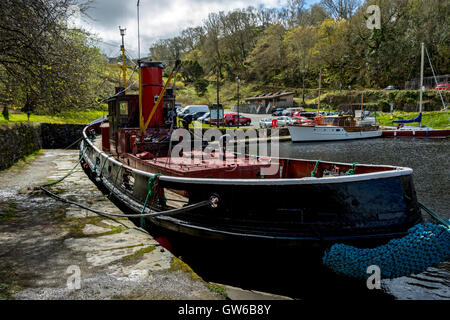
(159, 20)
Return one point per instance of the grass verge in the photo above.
(74, 117)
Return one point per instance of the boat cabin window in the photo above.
(331, 121)
(124, 108)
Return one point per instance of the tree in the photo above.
(191, 37)
(239, 31)
(201, 87)
(191, 71)
(315, 15)
(299, 43)
(288, 46)
(294, 12)
(41, 57)
(341, 9)
(266, 61)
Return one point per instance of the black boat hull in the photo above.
(363, 211)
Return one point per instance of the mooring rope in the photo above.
(433, 214)
(314, 172)
(139, 215)
(150, 186)
(143, 213)
(71, 171)
(352, 170)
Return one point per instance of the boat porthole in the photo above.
(214, 201)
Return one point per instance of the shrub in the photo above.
(201, 86)
(384, 105)
(5, 113)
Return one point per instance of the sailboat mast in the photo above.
(422, 64)
(362, 105)
(320, 87)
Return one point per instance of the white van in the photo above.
(193, 109)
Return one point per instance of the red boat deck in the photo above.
(195, 164)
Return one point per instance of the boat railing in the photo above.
(93, 152)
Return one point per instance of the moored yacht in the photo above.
(332, 128)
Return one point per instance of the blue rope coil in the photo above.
(426, 245)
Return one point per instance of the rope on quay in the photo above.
(146, 212)
(426, 245)
(139, 215)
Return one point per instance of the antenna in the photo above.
(124, 64)
(139, 40)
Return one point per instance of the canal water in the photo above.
(430, 160)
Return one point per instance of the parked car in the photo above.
(298, 113)
(283, 121)
(198, 114)
(288, 113)
(309, 115)
(301, 121)
(392, 88)
(278, 112)
(193, 109)
(213, 121)
(233, 119)
(204, 118)
(265, 123)
(178, 107)
(444, 86)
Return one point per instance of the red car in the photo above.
(444, 86)
(302, 121)
(232, 119)
(298, 113)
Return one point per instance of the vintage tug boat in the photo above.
(300, 203)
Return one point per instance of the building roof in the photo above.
(270, 95)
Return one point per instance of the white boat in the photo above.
(334, 128)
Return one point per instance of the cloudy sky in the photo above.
(159, 19)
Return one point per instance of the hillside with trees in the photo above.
(53, 68)
(288, 47)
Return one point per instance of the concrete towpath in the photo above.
(50, 250)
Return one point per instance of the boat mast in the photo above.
(141, 117)
(218, 85)
(124, 65)
(422, 63)
(320, 87)
(139, 38)
(362, 105)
